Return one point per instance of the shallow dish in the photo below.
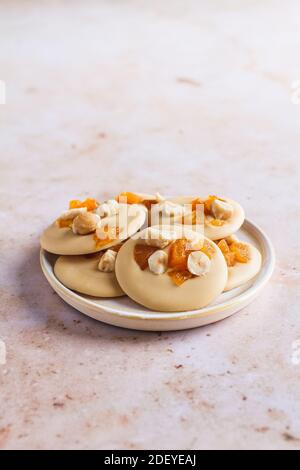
(125, 313)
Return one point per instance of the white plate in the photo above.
(125, 313)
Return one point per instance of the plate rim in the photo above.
(241, 298)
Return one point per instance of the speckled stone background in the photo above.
(180, 97)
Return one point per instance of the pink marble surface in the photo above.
(180, 97)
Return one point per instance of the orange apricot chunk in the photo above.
(217, 222)
(197, 202)
(100, 242)
(75, 204)
(89, 203)
(241, 252)
(230, 259)
(64, 223)
(178, 255)
(228, 255)
(179, 276)
(224, 247)
(142, 253)
(131, 198)
(207, 249)
(207, 204)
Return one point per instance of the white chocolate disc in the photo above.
(81, 274)
(241, 273)
(158, 292)
(62, 241)
(232, 225)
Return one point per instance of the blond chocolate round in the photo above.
(62, 241)
(230, 226)
(158, 292)
(81, 274)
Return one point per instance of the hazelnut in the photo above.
(221, 210)
(107, 262)
(85, 223)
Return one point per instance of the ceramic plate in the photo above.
(125, 313)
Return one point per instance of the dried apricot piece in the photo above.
(228, 255)
(230, 259)
(108, 239)
(197, 202)
(241, 252)
(217, 222)
(131, 198)
(208, 249)
(64, 223)
(207, 204)
(142, 253)
(178, 254)
(75, 204)
(196, 218)
(179, 277)
(100, 242)
(89, 203)
(224, 247)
